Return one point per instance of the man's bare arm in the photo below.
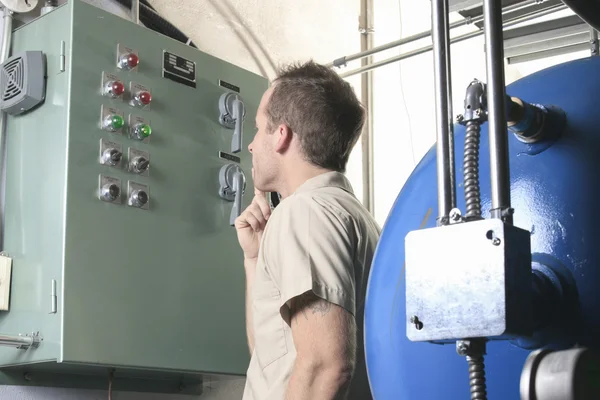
(250, 267)
(325, 339)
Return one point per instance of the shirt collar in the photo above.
(327, 179)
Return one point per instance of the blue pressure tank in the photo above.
(555, 191)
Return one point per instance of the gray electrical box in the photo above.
(22, 82)
(476, 283)
(116, 219)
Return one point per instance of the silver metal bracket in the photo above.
(232, 114)
(232, 183)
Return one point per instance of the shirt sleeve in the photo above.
(315, 253)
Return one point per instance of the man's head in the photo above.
(308, 118)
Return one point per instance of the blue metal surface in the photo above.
(554, 190)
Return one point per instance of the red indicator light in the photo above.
(132, 60)
(117, 88)
(145, 98)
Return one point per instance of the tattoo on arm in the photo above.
(310, 303)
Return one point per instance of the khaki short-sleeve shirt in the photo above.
(319, 239)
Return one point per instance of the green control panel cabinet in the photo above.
(121, 188)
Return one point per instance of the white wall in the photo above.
(404, 92)
(258, 35)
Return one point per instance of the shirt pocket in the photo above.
(269, 334)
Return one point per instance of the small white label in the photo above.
(5, 273)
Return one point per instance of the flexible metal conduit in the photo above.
(422, 35)
(457, 39)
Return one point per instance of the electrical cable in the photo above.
(410, 135)
(154, 21)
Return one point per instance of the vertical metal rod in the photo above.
(135, 11)
(594, 42)
(4, 54)
(366, 43)
(496, 97)
(441, 48)
(450, 114)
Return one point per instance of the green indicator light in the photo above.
(117, 122)
(142, 131)
(145, 130)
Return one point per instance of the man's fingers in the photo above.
(257, 213)
(253, 222)
(263, 204)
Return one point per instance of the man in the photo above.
(308, 261)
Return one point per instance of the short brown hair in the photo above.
(321, 108)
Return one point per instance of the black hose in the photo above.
(152, 20)
(477, 378)
(471, 172)
(587, 10)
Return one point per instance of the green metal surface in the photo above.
(159, 289)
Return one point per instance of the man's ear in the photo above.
(283, 138)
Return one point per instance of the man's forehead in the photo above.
(265, 99)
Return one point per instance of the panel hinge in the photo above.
(53, 298)
(62, 60)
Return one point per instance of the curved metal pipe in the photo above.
(6, 34)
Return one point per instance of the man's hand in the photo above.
(250, 225)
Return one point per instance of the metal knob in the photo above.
(110, 192)
(232, 116)
(232, 186)
(112, 156)
(139, 198)
(140, 165)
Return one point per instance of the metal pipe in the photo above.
(366, 41)
(422, 35)
(21, 342)
(135, 11)
(4, 54)
(442, 82)
(457, 39)
(6, 34)
(496, 98)
(451, 170)
(594, 42)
